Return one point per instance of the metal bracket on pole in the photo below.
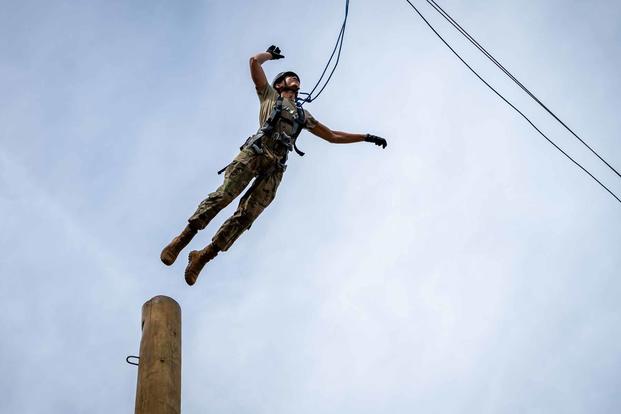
(132, 357)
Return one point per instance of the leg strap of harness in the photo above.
(297, 150)
(224, 169)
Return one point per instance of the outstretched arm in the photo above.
(256, 71)
(336, 137)
(340, 137)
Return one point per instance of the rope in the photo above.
(337, 50)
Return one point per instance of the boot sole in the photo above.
(190, 278)
(168, 258)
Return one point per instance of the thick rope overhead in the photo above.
(472, 40)
(337, 49)
(510, 104)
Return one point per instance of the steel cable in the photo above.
(509, 103)
(472, 40)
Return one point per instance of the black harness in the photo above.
(268, 129)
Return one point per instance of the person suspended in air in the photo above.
(263, 158)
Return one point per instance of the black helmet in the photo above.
(283, 75)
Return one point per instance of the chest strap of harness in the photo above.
(273, 118)
(298, 128)
(268, 127)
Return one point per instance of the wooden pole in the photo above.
(159, 370)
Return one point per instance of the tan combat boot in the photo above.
(170, 252)
(198, 259)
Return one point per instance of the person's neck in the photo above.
(289, 95)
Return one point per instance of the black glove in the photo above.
(376, 140)
(275, 52)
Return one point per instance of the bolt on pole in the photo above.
(159, 371)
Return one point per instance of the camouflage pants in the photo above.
(246, 166)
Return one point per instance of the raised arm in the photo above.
(256, 71)
(340, 137)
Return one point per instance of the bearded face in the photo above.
(291, 83)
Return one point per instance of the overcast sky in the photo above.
(469, 267)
